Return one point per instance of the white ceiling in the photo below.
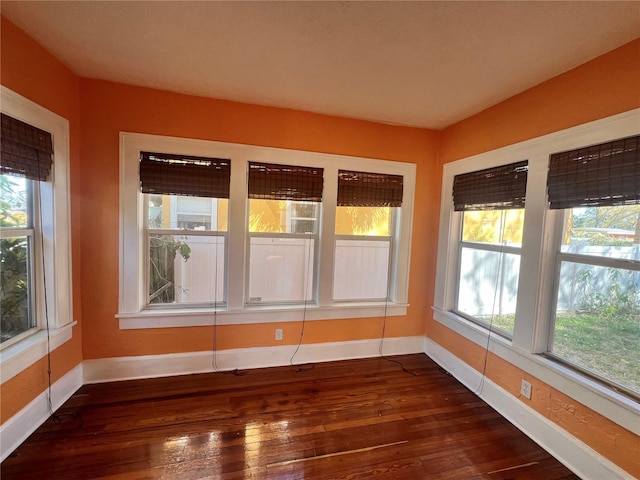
(421, 63)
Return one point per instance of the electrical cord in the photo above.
(55, 417)
(305, 366)
(214, 360)
(384, 327)
(479, 389)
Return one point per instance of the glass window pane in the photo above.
(603, 231)
(15, 286)
(361, 269)
(174, 212)
(501, 227)
(194, 205)
(283, 216)
(281, 269)
(597, 325)
(14, 204)
(186, 269)
(370, 221)
(488, 286)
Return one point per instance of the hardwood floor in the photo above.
(341, 420)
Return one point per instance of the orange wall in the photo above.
(108, 108)
(608, 85)
(602, 87)
(28, 69)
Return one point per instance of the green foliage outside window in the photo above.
(162, 255)
(14, 260)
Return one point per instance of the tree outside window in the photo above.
(15, 256)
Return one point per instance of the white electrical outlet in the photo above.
(525, 389)
(278, 334)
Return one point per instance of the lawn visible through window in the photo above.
(490, 266)
(597, 324)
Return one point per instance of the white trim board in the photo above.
(573, 453)
(16, 358)
(132, 304)
(600, 399)
(536, 290)
(149, 366)
(16, 430)
(576, 455)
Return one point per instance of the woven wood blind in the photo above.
(497, 188)
(361, 189)
(285, 182)
(168, 174)
(606, 174)
(26, 150)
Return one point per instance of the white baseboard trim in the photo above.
(16, 430)
(573, 453)
(576, 455)
(148, 366)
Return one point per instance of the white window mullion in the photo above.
(609, 262)
(402, 240)
(537, 339)
(237, 231)
(41, 267)
(327, 237)
(448, 253)
(132, 234)
(529, 331)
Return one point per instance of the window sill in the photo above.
(616, 407)
(169, 318)
(17, 357)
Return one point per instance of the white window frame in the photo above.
(578, 259)
(176, 212)
(55, 227)
(499, 248)
(310, 288)
(34, 241)
(187, 233)
(535, 301)
(132, 313)
(394, 224)
(291, 218)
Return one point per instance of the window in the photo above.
(26, 160)
(186, 202)
(16, 256)
(35, 294)
(367, 208)
(284, 208)
(277, 236)
(597, 306)
(492, 202)
(576, 325)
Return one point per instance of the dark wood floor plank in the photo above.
(358, 419)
